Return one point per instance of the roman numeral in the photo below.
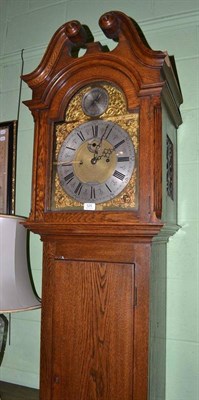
(95, 130)
(106, 134)
(81, 136)
(108, 188)
(123, 159)
(119, 175)
(92, 192)
(78, 188)
(119, 144)
(70, 148)
(68, 178)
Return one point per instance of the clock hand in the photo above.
(100, 142)
(97, 98)
(94, 146)
(94, 160)
(106, 153)
(102, 138)
(65, 163)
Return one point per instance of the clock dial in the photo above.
(96, 161)
(95, 101)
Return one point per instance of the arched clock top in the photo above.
(132, 57)
(59, 96)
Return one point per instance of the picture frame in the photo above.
(8, 149)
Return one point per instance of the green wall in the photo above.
(171, 25)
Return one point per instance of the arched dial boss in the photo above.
(96, 161)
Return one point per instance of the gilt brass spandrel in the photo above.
(61, 132)
(130, 123)
(126, 199)
(61, 200)
(74, 111)
(117, 102)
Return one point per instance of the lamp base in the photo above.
(3, 336)
(16, 392)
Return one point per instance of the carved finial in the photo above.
(75, 33)
(110, 25)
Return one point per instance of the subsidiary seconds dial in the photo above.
(96, 161)
(95, 101)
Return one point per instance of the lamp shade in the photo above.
(16, 291)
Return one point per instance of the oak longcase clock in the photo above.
(104, 203)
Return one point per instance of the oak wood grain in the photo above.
(92, 335)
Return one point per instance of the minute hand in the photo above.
(64, 163)
(100, 142)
